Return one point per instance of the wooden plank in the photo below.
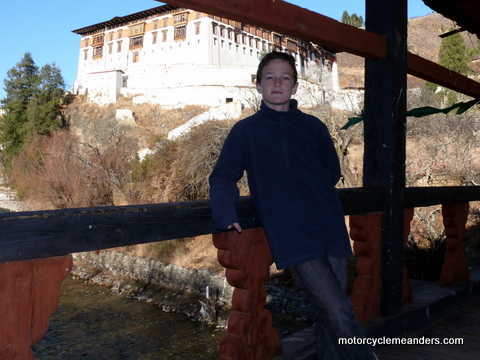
(39, 234)
(430, 71)
(421, 196)
(293, 20)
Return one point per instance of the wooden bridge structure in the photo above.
(35, 246)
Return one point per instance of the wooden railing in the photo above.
(41, 234)
(36, 245)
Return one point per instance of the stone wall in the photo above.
(150, 271)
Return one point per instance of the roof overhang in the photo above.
(465, 13)
(119, 20)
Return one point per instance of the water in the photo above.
(91, 323)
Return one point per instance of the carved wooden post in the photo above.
(247, 259)
(29, 294)
(365, 231)
(455, 266)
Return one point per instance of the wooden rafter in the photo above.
(295, 21)
(307, 25)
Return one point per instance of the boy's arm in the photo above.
(223, 180)
(330, 156)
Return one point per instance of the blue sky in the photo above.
(44, 27)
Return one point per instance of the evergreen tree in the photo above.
(346, 19)
(353, 20)
(43, 111)
(32, 104)
(454, 54)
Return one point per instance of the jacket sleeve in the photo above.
(223, 180)
(329, 155)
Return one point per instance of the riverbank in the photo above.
(200, 294)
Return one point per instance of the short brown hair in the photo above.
(276, 55)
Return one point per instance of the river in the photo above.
(93, 323)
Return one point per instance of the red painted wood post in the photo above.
(29, 294)
(455, 266)
(247, 259)
(365, 231)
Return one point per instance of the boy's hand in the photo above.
(236, 226)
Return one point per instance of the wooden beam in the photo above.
(293, 20)
(430, 71)
(385, 146)
(307, 25)
(40, 234)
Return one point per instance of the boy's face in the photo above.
(277, 85)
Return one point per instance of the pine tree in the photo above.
(20, 87)
(353, 20)
(32, 104)
(454, 54)
(43, 111)
(346, 19)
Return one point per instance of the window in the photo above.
(110, 48)
(98, 52)
(214, 28)
(277, 40)
(180, 18)
(164, 35)
(98, 40)
(180, 32)
(119, 34)
(137, 29)
(136, 42)
(119, 46)
(155, 24)
(291, 45)
(85, 54)
(110, 36)
(154, 37)
(136, 57)
(165, 22)
(197, 28)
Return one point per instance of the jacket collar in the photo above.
(275, 115)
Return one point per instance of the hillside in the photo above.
(423, 40)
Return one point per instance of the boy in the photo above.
(292, 169)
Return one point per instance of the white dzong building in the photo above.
(175, 57)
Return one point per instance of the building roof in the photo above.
(119, 20)
(466, 13)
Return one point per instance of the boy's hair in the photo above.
(277, 55)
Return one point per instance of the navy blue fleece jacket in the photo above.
(292, 168)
